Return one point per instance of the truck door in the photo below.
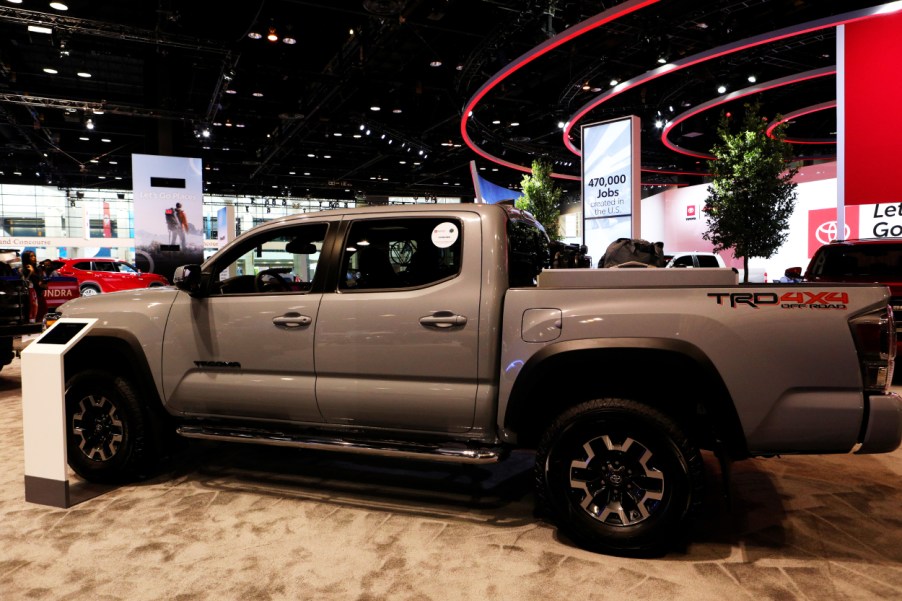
(397, 342)
(244, 348)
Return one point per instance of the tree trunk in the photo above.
(745, 269)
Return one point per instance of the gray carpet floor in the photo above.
(245, 522)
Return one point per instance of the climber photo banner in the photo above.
(168, 213)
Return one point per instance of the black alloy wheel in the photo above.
(618, 476)
(106, 428)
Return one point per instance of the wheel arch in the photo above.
(90, 284)
(117, 352)
(564, 374)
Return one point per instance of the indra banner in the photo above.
(872, 85)
(610, 182)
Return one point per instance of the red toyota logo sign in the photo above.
(823, 227)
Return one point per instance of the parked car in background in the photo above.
(873, 260)
(96, 275)
(695, 259)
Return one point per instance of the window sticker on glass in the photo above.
(445, 234)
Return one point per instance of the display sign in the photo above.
(168, 193)
(610, 182)
(870, 60)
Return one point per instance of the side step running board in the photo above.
(408, 450)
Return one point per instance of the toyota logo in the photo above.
(826, 232)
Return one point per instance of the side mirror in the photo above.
(187, 278)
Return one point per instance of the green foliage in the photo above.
(542, 198)
(752, 194)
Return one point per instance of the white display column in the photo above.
(44, 411)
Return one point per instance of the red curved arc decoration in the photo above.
(814, 108)
(526, 58)
(613, 14)
(762, 87)
(773, 36)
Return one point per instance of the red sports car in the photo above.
(96, 275)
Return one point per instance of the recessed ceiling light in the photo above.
(289, 40)
(114, 162)
(84, 74)
(257, 94)
(721, 89)
(14, 1)
(397, 111)
(435, 63)
(107, 140)
(496, 122)
(40, 29)
(337, 134)
(84, 138)
(752, 79)
(255, 35)
(311, 156)
(515, 123)
(375, 108)
(292, 172)
(614, 82)
(306, 173)
(50, 71)
(231, 91)
(58, 6)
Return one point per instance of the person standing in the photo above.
(33, 273)
(182, 224)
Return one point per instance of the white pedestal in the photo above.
(44, 412)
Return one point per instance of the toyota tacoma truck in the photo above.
(436, 332)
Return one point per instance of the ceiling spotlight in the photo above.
(435, 63)
(58, 6)
(106, 140)
(50, 71)
(614, 82)
(496, 122)
(89, 124)
(257, 94)
(561, 124)
(662, 60)
(205, 132)
(255, 35)
(231, 91)
(397, 111)
(721, 89)
(752, 79)
(586, 86)
(84, 74)
(40, 29)
(375, 108)
(289, 40)
(659, 124)
(272, 36)
(515, 123)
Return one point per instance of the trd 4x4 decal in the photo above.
(787, 300)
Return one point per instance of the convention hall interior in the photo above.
(296, 106)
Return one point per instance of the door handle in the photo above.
(292, 320)
(443, 319)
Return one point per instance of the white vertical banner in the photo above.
(168, 209)
(610, 182)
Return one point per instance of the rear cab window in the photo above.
(388, 254)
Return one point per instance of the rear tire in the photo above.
(107, 428)
(618, 477)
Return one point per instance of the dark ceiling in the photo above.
(297, 119)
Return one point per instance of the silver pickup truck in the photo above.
(436, 332)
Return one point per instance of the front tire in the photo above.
(107, 429)
(618, 476)
(90, 290)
